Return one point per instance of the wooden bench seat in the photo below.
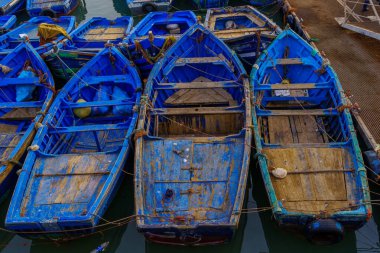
(306, 112)
(197, 110)
(199, 85)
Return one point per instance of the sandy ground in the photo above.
(355, 58)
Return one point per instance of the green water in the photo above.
(257, 232)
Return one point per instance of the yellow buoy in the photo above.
(82, 112)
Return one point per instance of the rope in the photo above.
(169, 41)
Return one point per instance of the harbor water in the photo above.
(257, 232)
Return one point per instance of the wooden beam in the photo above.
(197, 111)
(312, 112)
(289, 61)
(198, 85)
(295, 86)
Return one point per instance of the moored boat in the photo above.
(76, 165)
(30, 31)
(8, 7)
(307, 147)
(193, 143)
(244, 29)
(7, 23)
(50, 8)
(153, 35)
(86, 41)
(146, 6)
(26, 94)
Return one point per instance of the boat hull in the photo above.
(7, 23)
(314, 177)
(140, 7)
(11, 40)
(54, 10)
(200, 236)
(192, 156)
(65, 201)
(12, 7)
(15, 142)
(69, 56)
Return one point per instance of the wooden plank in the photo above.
(314, 187)
(306, 112)
(293, 86)
(316, 207)
(68, 188)
(200, 97)
(199, 85)
(7, 128)
(96, 31)
(279, 130)
(244, 30)
(289, 61)
(21, 114)
(194, 60)
(197, 111)
(307, 129)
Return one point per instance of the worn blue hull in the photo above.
(86, 41)
(9, 7)
(47, 8)
(244, 29)
(18, 116)
(12, 39)
(7, 23)
(87, 133)
(144, 49)
(205, 4)
(192, 143)
(297, 89)
(144, 7)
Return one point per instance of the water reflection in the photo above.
(121, 7)
(80, 12)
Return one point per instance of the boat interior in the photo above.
(30, 28)
(304, 131)
(101, 29)
(16, 115)
(239, 22)
(107, 93)
(196, 133)
(162, 24)
(86, 149)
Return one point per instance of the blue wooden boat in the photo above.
(263, 3)
(7, 23)
(26, 93)
(70, 177)
(244, 29)
(50, 8)
(12, 39)
(153, 35)
(205, 4)
(193, 143)
(307, 148)
(145, 7)
(86, 41)
(9, 7)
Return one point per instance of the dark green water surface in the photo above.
(257, 232)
